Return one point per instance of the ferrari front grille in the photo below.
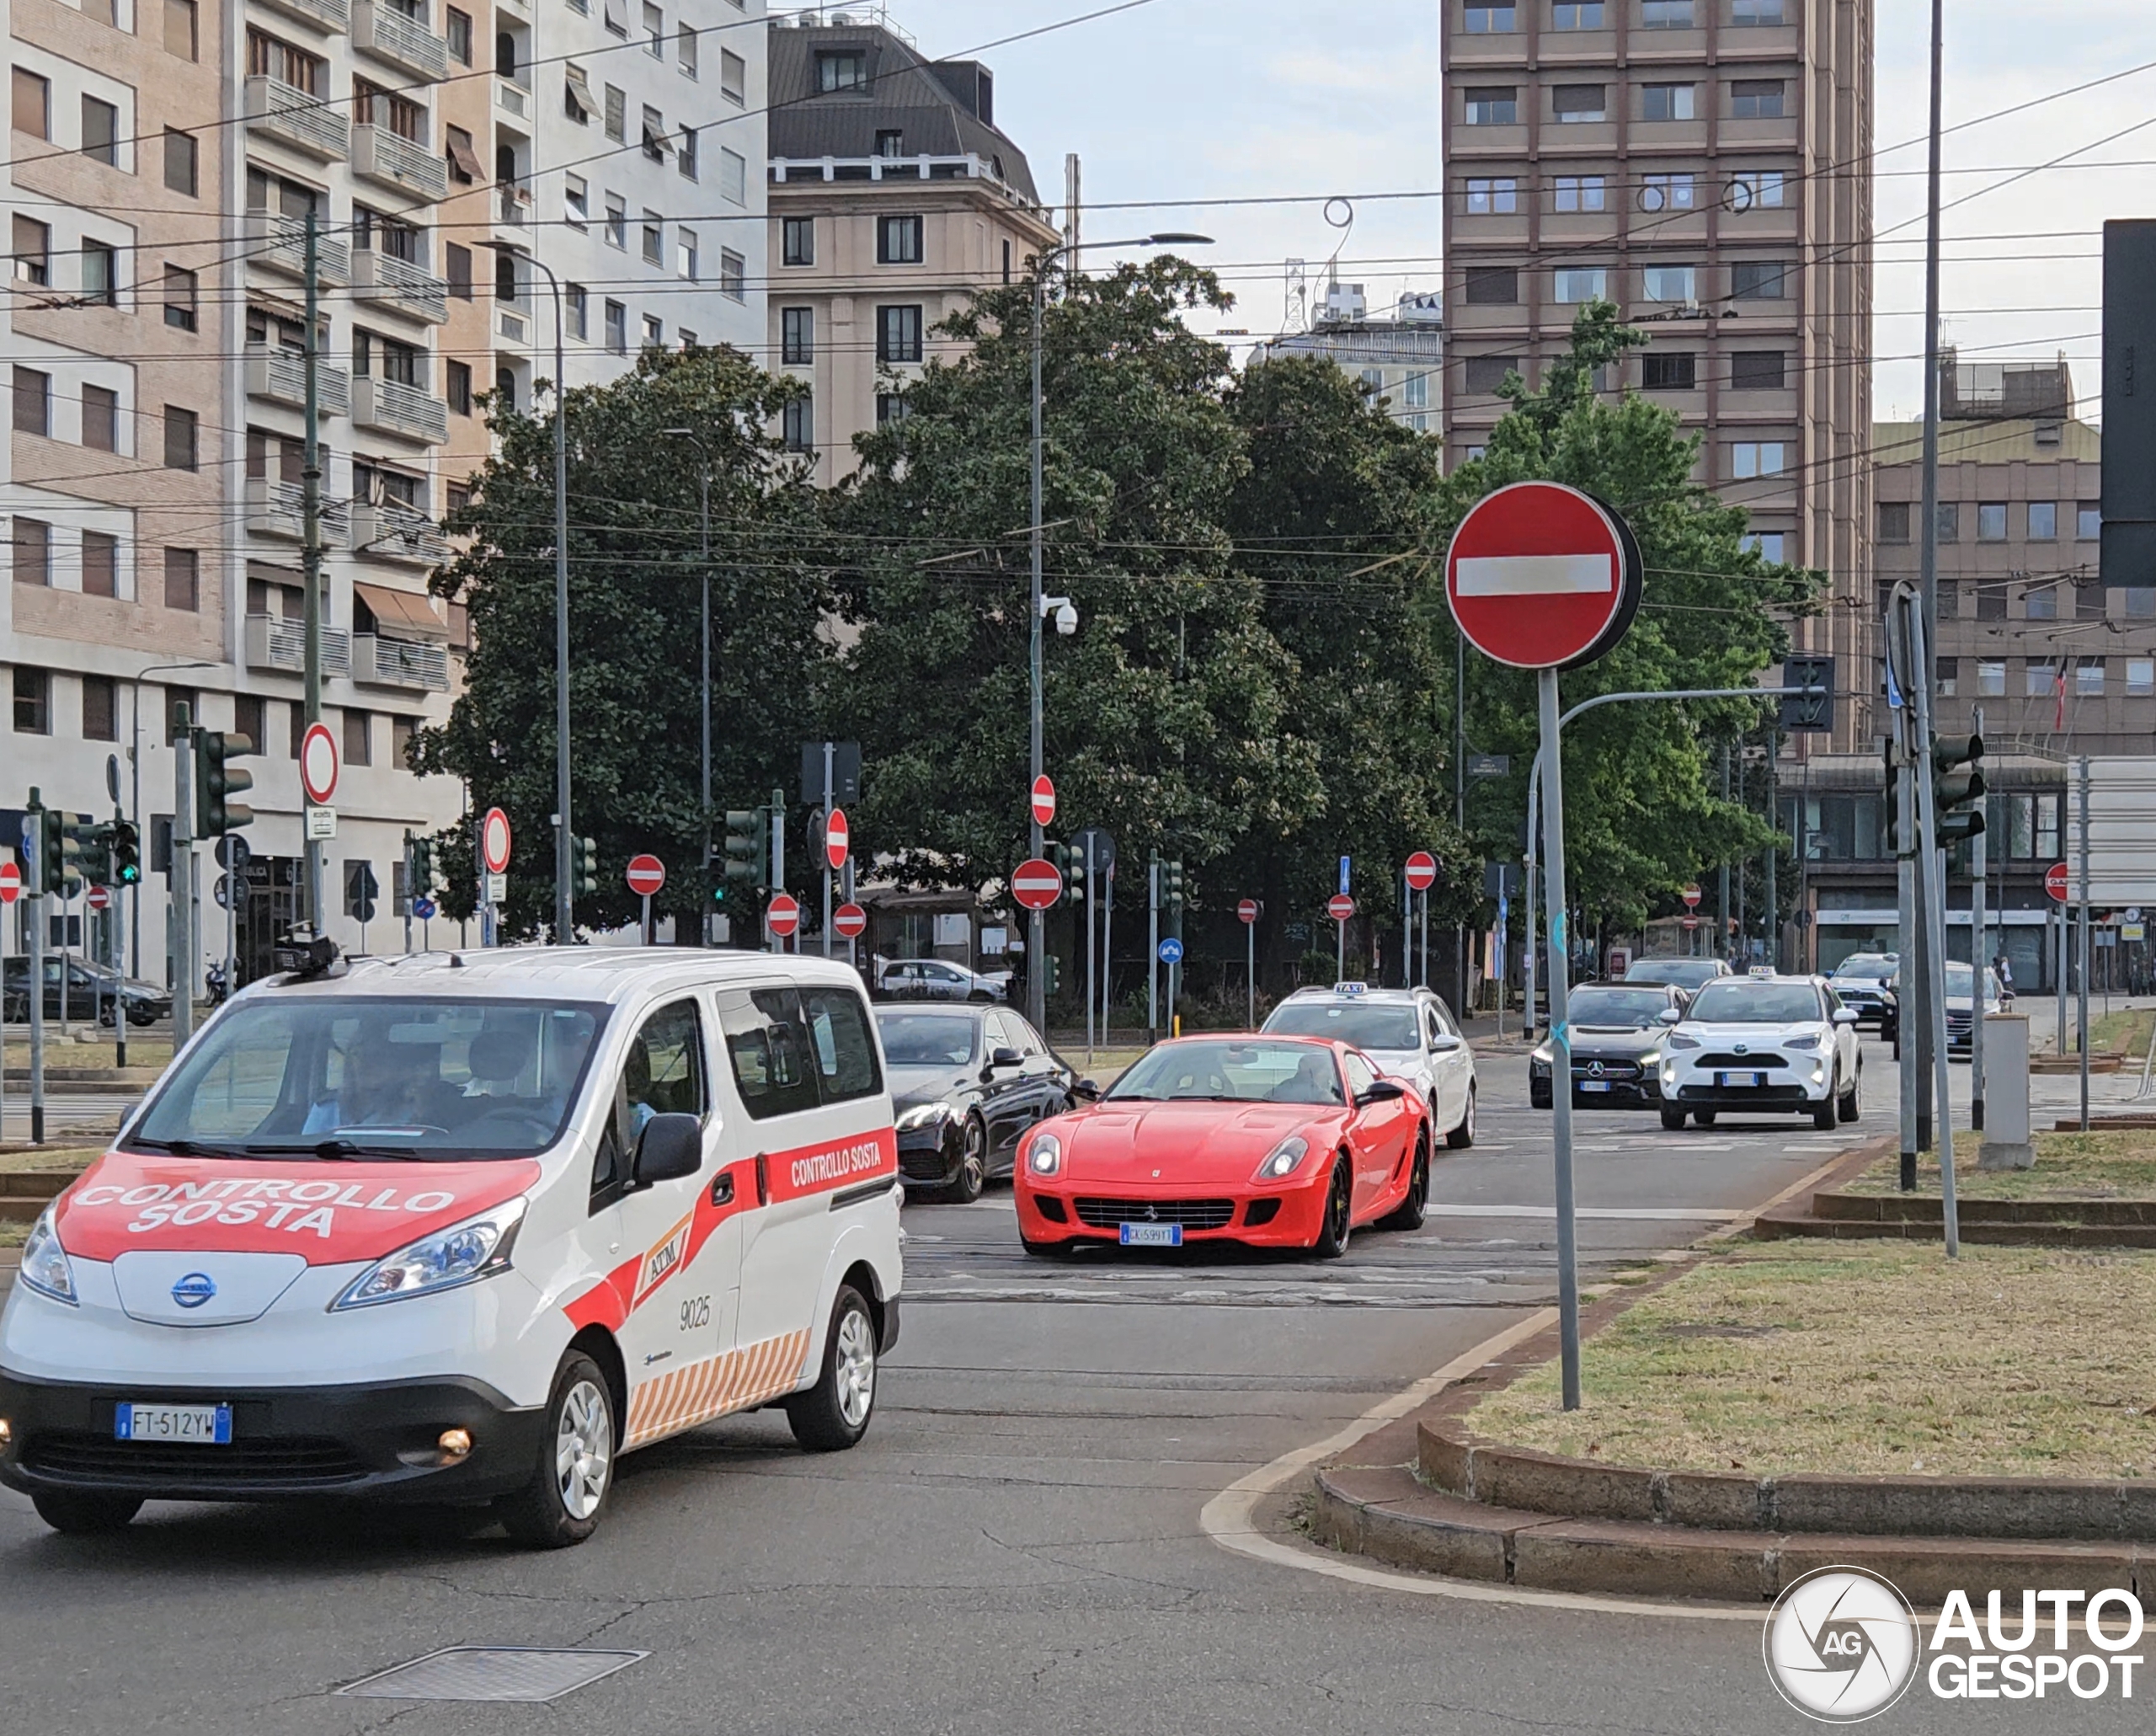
(1191, 1214)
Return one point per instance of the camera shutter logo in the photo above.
(1842, 1645)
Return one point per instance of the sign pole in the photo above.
(830, 749)
(1092, 973)
(2081, 1024)
(1250, 940)
(1560, 1039)
(1980, 959)
(1108, 948)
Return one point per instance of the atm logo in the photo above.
(663, 1260)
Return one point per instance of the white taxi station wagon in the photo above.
(463, 1228)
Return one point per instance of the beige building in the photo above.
(1702, 163)
(894, 198)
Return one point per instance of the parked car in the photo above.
(1863, 981)
(936, 979)
(966, 1084)
(1762, 1046)
(1409, 1033)
(90, 988)
(1617, 1034)
(1690, 974)
(1960, 1019)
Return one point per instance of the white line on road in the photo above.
(1641, 1214)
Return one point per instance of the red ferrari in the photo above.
(1275, 1141)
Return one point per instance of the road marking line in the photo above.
(1653, 1215)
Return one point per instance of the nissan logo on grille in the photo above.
(195, 1290)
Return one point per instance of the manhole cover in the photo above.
(532, 1673)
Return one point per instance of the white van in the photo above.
(462, 1228)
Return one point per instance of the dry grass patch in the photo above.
(1875, 1359)
(12, 1234)
(75, 1158)
(2115, 1165)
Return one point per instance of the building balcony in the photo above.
(402, 41)
(400, 663)
(277, 509)
(393, 407)
(513, 205)
(333, 16)
(380, 155)
(272, 642)
(281, 375)
(308, 124)
(390, 531)
(279, 242)
(514, 100)
(399, 285)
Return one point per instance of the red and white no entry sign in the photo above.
(784, 914)
(1421, 870)
(647, 876)
(1248, 910)
(1542, 576)
(2058, 881)
(1036, 884)
(849, 922)
(100, 898)
(11, 880)
(319, 765)
(1691, 897)
(1690, 923)
(1340, 907)
(494, 838)
(1043, 802)
(838, 838)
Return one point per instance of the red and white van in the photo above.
(464, 1228)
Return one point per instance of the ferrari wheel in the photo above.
(972, 1174)
(1409, 1214)
(1332, 1229)
(1462, 1137)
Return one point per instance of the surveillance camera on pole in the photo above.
(1063, 612)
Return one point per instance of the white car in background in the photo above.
(1776, 1045)
(1410, 1033)
(938, 979)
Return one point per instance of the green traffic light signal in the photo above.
(217, 781)
(126, 853)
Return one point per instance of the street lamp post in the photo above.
(564, 909)
(703, 516)
(1036, 921)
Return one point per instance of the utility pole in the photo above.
(1979, 957)
(778, 856)
(830, 749)
(35, 892)
(311, 569)
(1460, 802)
(1152, 948)
(1721, 923)
(1773, 855)
(2081, 1018)
(1922, 976)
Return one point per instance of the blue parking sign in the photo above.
(1172, 951)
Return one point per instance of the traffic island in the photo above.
(1787, 1407)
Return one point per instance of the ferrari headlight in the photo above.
(1285, 1156)
(1809, 1040)
(1045, 1157)
(45, 1266)
(1677, 1039)
(463, 1253)
(924, 1115)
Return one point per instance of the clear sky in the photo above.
(1292, 105)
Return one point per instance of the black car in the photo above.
(967, 1082)
(90, 988)
(1617, 1030)
(1867, 985)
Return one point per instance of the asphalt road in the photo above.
(1014, 1549)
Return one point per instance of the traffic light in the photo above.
(93, 848)
(126, 853)
(59, 850)
(1051, 973)
(420, 853)
(1957, 788)
(583, 866)
(1808, 713)
(1171, 882)
(748, 849)
(217, 781)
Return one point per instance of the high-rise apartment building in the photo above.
(894, 197)
(1398, 360)
(164, 159)
(1704, 165)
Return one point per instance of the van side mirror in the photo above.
(671, 1147)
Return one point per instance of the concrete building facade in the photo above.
(1399, 360)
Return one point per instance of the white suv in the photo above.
(1761, 1044)
(1409, 1033)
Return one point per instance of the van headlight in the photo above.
(463, 1253)
(45, 1267)
(1045, 1157)
(1283, 1159)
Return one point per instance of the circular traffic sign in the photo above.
(2058, 881)
(1037, 884)
(1043, 801)
(849, 922)
(11, 881)
(838, 839)
(646, 875)
(424, 909)
(784, 914)
(1421, 870)
(1691, 897)
(1690, 923)
(100, 898)
(1172, 951)
(318, 765)
(1543, 576)
(495, 839)
(230, 892)
(1250, 910)
(1340, 907)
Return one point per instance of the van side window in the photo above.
(768, 1047)
(844, 1051)
(662, 1074)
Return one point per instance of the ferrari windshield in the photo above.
(1359, 1025)
(926, 1039)
(1233, 1070)
(1740, 1003)
(1615, 1009)
(375, 1076)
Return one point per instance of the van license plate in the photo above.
(201, 1424)
(1151, 1236)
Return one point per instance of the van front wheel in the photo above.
(834, 1414)
(567, 1493)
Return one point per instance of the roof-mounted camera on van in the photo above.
(304, 955)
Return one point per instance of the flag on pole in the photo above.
(2058, 687)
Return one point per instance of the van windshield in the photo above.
(374, 1077)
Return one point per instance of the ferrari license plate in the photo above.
(197, 1424)
(1742, 1081)
(1150, 1234)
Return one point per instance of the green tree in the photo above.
(635, 679)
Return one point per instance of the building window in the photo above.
(457, 269)
(2088, 522)
(456, 381)
(180, 307)
(891, 407)
(33, 401)
(898, 334)
(377, 357)
(32, 550)
(654, 32)
(183, 579)
(1665, 102)
(1755, 100)
(100, 131)
(1893, 521)
(33, 251)
(2089, 599)
(2043, 520)
(1492, 105)
(690, 160)
(1755, 12)
(688, 340)
(1576, 284)
(890, 141)
(181, 170)
(1670, 283)
(618, 115)
(658, 142)
(181, 36)
(358, 738)
(798, 242)
(1947, 676)
(1492, 286)
(1991, 600)
(1947, 523)
(2140, 677)
(796, 336)
(734, 178)
(100, 708)
(101, 418)
(1574, 103)
(1991, 679)
(33, 105)
(618, 223)
(1749, 459)
(2041, 602)
(686, 50)
(579, 300)
(845, 69)
(687, 260)
(2039, 680)
(1486, 373)
(1991, 521)
(1666, 192)
(1666, 14)
(1669, 372)
(100, 273)
(576, 202)
(458, 26)
(1568, 16)
(505, 388)
(799, 428)
(1767, 545)
(733, 275)
(32, 702)
(655, 332)
(2141, 602)
(1767, 190)
(1493, 198)
(899, 241)
(617, 328)
(251, 719)
(1580, 193)
(1490, 21)
(100, 565)
(1758, 280)
(654, 239)
(1758, 371)
(464, 166)
(374, 106)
